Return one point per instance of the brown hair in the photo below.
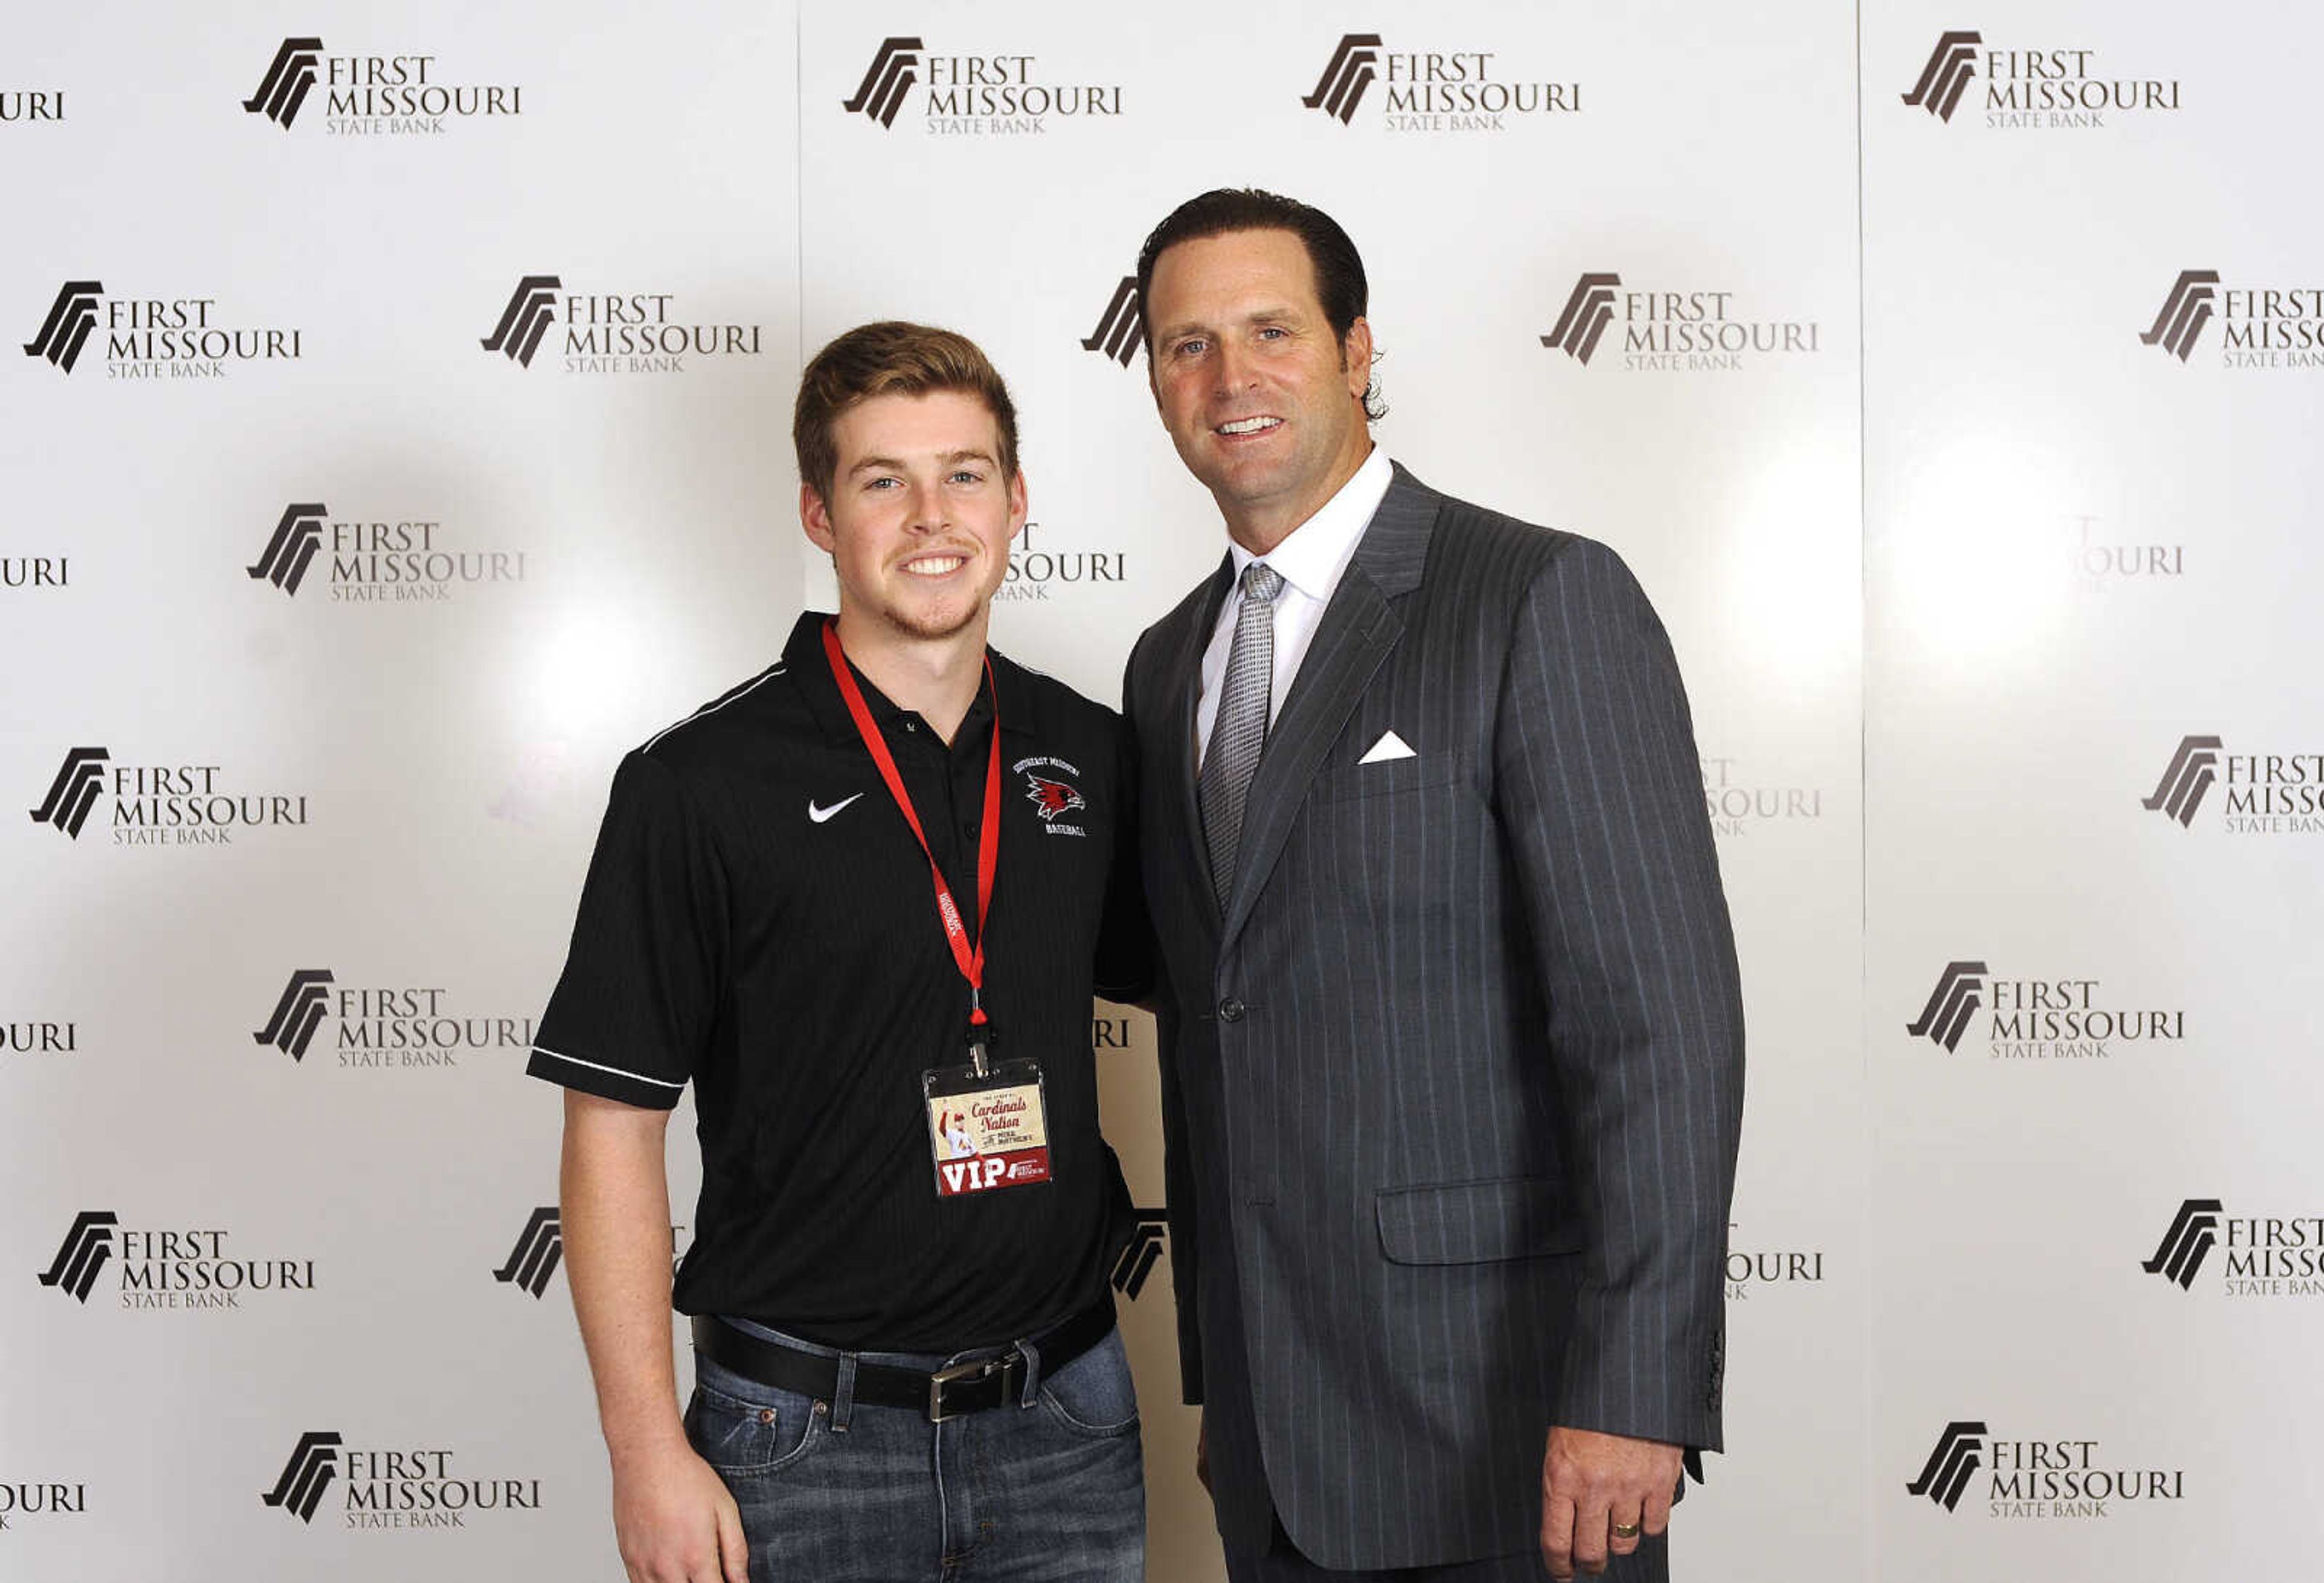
(890, 358)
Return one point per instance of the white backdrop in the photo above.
(1957, 563)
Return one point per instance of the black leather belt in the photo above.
(946, 1393)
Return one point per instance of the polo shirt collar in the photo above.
(804, 658)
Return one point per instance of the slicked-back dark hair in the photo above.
(1340, 284)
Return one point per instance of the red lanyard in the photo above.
(988, 843)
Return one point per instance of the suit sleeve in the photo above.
(1125, 941)
(1177, 1172)
(1599, 795)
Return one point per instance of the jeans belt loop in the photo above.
(1032, 1356)
(842, 1395)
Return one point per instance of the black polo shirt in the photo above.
(759, 921)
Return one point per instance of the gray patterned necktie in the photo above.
(1240, 730)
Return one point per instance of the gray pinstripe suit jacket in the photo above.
(1452, 1089)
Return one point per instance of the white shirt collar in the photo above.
(1314, 555)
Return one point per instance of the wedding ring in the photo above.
(1626, 1531)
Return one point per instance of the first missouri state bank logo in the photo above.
(404, 1026)
(151, 337)
(531, 310)
(1950, 1466)
(1140, 1254)
(1346, 75)
(2052, 1017)
(402, 559)
(72, 316)
(1667, 331)
(383, 1488)
(2049, 1477)
(288, 78)
(159, 804)
(2188, 1241)
(82, 1256)
(2185, 312)
(299, 1013)
(291, 550)
(178, 1266)
(1951, 64)
(893, 70)
(1945, 1018)
(314, 1464)
(2260, 327)
(1589, 309)
(383, 94)
(1432, 90)
(80, 781)
(612, 332)
(2031, 89)
(2272, 1254)
(2266, 794)
(979, 94)
(539, 1248)
(1121, 327)
(2186, 779)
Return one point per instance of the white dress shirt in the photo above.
(1311, 561)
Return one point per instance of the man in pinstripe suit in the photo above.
(1451, 1027)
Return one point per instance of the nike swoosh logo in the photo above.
(820, 815)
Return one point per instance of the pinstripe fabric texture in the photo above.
(1241, 730)
(1452, 1078)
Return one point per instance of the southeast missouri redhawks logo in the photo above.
(1052, 798)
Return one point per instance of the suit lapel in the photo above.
(1185, 692)
(1359, 627)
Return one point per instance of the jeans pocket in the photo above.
(744, 1429)
(1093, 1395)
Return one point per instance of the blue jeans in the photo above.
(1051, 1490)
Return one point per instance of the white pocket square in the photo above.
(1390, 747)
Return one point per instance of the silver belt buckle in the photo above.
(977, 1369)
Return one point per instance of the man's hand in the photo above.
(675, 1519)
(1591, 1481)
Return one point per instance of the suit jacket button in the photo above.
(1231, 1009)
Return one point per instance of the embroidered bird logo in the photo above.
(1052, 798)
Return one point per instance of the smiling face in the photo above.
(918, 518)
(1263, 401)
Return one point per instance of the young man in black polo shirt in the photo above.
(865, 922)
